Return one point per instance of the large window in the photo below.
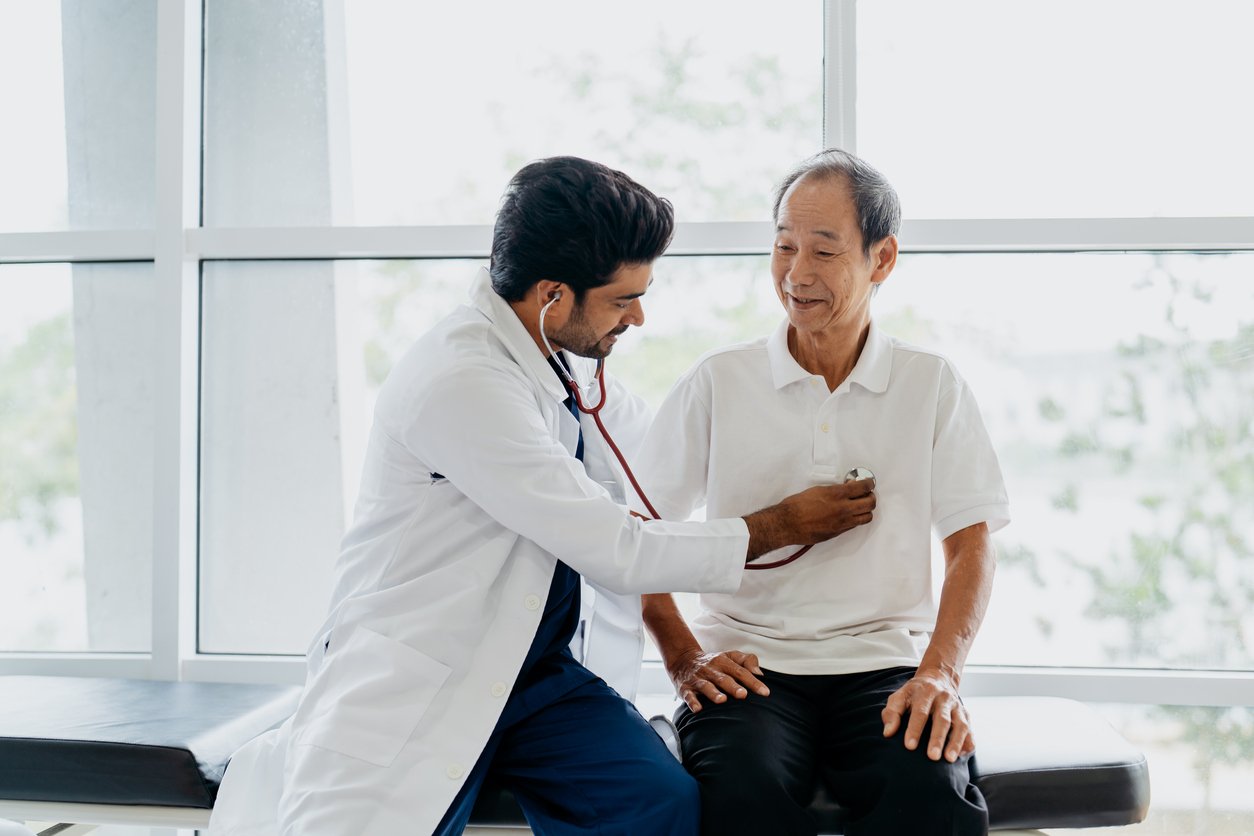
(221, 222)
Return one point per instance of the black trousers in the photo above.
(758, 760)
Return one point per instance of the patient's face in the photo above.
(821, 275)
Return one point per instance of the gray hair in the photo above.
(874, 198)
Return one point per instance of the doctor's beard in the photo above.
(577, 337)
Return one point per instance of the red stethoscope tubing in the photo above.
(595, 412)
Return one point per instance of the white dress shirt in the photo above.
(747, 426)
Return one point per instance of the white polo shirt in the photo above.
(747, 426)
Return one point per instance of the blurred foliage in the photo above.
(1179, 591)
(38, 427)
(761, 108)
(1197, 553)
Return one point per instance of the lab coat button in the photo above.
(499, 689)
(824, 428)
(454, 772)
(532, 602)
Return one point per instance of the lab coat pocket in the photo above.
(374, 690)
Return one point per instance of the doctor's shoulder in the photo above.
(460, 357)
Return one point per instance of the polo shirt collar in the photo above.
(871, 372)
(515, 336)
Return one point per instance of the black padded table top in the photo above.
(1047, 762)
(127, 741)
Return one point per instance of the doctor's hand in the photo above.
(715, 676)
(811, 516)
(930, 696)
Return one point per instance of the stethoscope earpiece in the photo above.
(597, 379)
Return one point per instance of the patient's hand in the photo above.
(931, 696)
(715, 676)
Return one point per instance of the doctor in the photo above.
(450, 649)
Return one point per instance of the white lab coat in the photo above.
(442, 581)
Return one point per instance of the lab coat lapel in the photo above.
(514, 335)
(523, 349)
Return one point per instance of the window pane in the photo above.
(983, 109)
(293, 356)
(76, 467)
(78, 94)
(418, 113)
(1116, 390)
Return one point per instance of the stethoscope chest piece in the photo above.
(858, 474)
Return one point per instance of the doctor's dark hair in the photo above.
(574, 221)
(874, 198)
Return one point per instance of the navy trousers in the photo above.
(758, 760)
(585, 762)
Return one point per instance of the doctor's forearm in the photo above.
(969, 567)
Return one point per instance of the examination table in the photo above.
(146, 753)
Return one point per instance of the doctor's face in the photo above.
(596, 322)
(821, 274)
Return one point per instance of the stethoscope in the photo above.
(595, 411)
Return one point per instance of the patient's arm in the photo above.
(933, 692)
(691, 669)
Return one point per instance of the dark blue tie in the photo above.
(569, 403)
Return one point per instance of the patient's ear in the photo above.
(884, 258)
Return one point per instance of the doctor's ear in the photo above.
(548, 291)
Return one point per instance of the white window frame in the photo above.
(178, 245)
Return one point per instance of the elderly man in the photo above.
(840, 665)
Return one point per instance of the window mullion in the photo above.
(840, 74)
(177, 287)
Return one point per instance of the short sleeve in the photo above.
(967, 483)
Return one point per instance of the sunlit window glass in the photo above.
(1116, 389)
(78, 98)
(418, 113)
(76, 461)
(985, 109)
